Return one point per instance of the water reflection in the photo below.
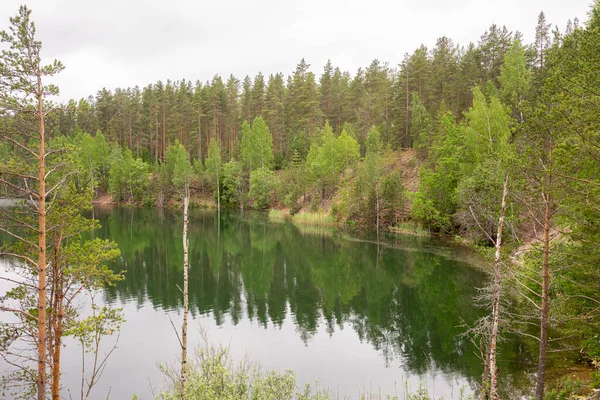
(407, 304)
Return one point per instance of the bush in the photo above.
(128, 178)
(595, 380)
(569, 389)
(213, 375)
(261, 186)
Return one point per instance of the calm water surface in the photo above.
(351, 314)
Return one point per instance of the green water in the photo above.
(351, 312)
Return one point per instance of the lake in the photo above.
(348, 312)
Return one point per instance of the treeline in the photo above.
(404, 107)
(294, 107)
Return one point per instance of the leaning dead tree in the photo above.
(488, 328)
(496, 290)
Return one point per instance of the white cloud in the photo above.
(135, 42)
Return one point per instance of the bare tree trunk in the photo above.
(199, 133)
(485, 389)
(130, 137)
(157, 137)
(58, 331)
(218, 195)
(496, 297)
(377, 208)
(56, 320)
(164, 132)
(42, 318)
(539, 386)
(406, 141)
(186, 267)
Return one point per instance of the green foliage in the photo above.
(392, 194)
(375, 196)
(4, 152)
(435, 202)
(234, 184)
(160, 186)
(487, 131)
(570, 388)
(103, 322)
(515, 78)
(348, 150)
(213, 161)
(567, 116)
(94, 160)
(261, 185)
(275, 386)
(329, 156)
(213, 375)
(179, 167)
(214, 166)
(128, 178)
(420, 121)
(78, 266)
(374, 144)
(595, 380)
(256, 148)
(466, 169)
(293, 182)
(366, 202)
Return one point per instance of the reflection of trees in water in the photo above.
(407, 304)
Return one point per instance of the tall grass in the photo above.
(409, 228)
(304, 217)
(278, 215)
(313, 218)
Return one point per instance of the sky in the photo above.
(123, 43)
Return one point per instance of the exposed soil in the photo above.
(103, 198)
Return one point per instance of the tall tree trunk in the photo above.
(485, 377)
(206, 131)
(130, 134)
(407, 111)
(138, 134)
(186, 267)
(56, 319)
(157, 137)
(199, 133)
(42, 318)
(164, 132)
(541, 372)
(377, 208)
(58, 331)
(496, 297)
(120, 127)
(218, 195)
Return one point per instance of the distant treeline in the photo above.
(295, 107)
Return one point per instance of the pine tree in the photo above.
(257, 97)
(274, 115)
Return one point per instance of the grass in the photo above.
(278, 215)
(314, 218)
(409, 228)
(318, 218)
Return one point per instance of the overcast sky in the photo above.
(123, 43)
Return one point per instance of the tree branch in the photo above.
(17, 311)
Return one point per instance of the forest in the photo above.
(495, 144)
